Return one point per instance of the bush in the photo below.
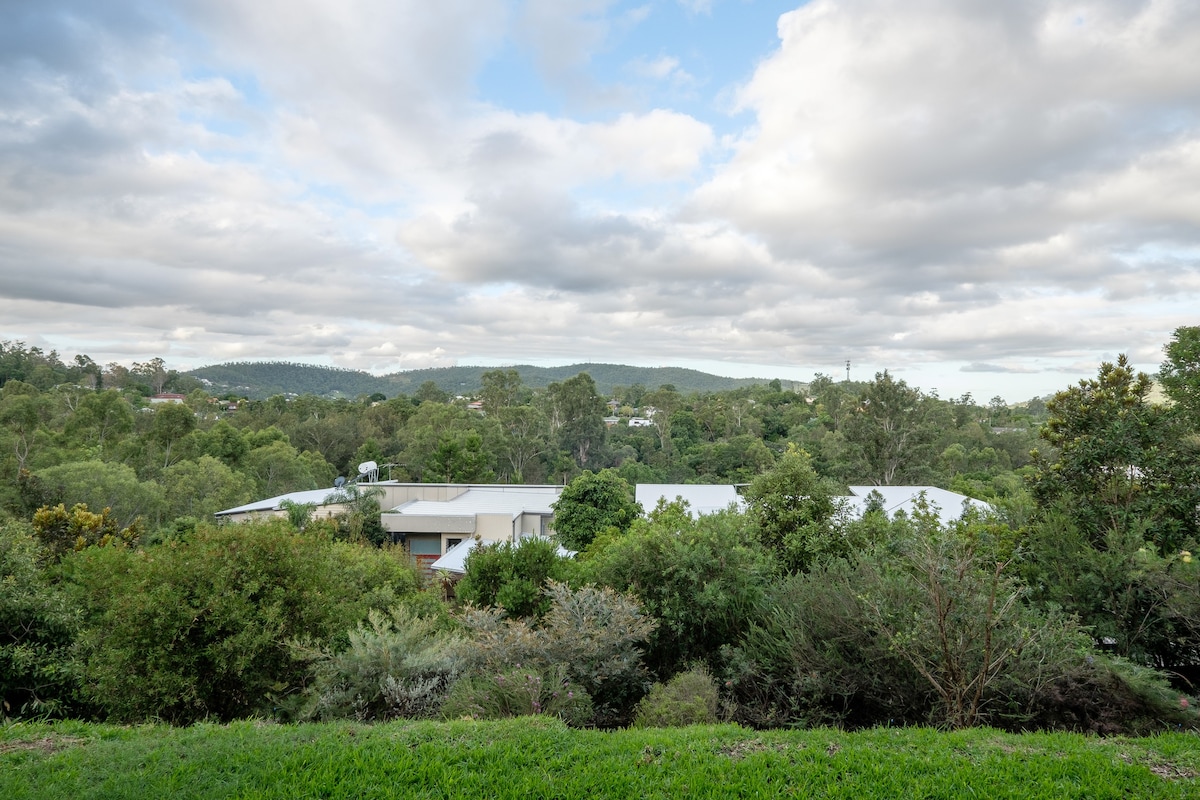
(690, 698)
(703, 579)
(38, 626)
(397, 665)
(520, 692)
(512, 577)
(197, 627)
(590, 632)
(928, 629)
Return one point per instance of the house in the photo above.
(639, 422)
(455, 559)
(431, 526)
(701, 498)
(167, 397)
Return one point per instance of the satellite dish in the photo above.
(339, 482)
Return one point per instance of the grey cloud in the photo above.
(978, 367)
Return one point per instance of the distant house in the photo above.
(431, 527)
(639, 422)
(167, 397)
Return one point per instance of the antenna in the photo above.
(847, 370)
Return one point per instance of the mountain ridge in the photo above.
(262, 379)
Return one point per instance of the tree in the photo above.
(892, 429)
(1180, 372)
(577, 413)
(200, 629)
(794, 513)
(591, 503)
(172, 422)
(24, 412)
(102, 415)
(459, 458)
(702, 578)
(1119, 461)
(500, 389)
(38, 625)
(104, 484)
(201, 488)
(428, 392)
(523, 438)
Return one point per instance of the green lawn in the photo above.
(540, 758)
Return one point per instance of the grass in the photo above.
(537, 757)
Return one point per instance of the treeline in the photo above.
(1068, 608)
(260, 380)
(81, 433)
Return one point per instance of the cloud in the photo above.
(993, 187)
(1001, 368)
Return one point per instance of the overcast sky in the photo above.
(977, 195)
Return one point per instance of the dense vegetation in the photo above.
(1067, 608)
(537, 757)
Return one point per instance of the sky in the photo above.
(978, 196)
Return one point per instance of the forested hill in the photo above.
(263, 379)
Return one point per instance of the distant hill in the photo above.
(263, 379)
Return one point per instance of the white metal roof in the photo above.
(315, 496)
(701, 498)
(455, 559)
(949, 505)
(513, 500)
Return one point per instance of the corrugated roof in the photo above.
(315, 496)
(701, 498)
(949, 505)
(485, 500)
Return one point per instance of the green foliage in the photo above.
(893, 428)
(592, 633)
(1119, 461)
(37, 628)
(104, 484)
(520, 692)
(591, 503)
(690, 698)
(1180, 372)
(931, 627)
(794, 513)
(397, 665)
(201, 488)
(512, 577)
(703, 579)
(196, 628)
(61, 531)
(1142, 605)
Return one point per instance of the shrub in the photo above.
(690, 698)
(197, 627)
(703, 579)
(512, 577)
(592, 633)
(929, 628)
(38, 625)
(520, 692)
(396, 665)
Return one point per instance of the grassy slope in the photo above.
(537, 757)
